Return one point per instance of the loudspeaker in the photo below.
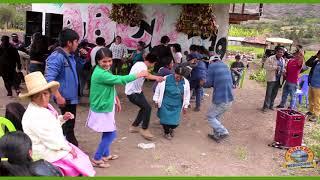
(33, 25)
(53, 26)
(33, 22)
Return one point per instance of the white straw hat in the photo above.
(36, 83)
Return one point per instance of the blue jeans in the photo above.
(104, 146)
(288, 89)
(214, 114)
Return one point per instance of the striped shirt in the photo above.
(219, 77)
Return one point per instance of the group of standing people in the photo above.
(285, 72)
(52, 135)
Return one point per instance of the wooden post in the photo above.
(242, 11)
(260, 9)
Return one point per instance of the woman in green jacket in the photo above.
(103, 104)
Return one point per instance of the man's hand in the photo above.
(160, 78)
(61, 101)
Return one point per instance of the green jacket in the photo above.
(102, 89)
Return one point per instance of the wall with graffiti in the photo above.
(92, 21)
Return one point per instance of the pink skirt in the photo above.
(81, 165)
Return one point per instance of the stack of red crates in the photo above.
(289, 127)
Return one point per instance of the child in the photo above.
(135, 95)
(104, 102)
(172, 96)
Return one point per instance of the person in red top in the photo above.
(294, 67)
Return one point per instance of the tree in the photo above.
(6, 16)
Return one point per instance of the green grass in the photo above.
(246, 49)
(240, 31)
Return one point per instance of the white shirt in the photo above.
(118, 51)
(45, 132)
(136, 85)
(93, 54)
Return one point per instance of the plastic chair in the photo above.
(303, 92)
(5, 123)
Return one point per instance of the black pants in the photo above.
(271, 94)
(116, 66)
(168, 128)
(9, 79)
(145, 110)
(68, 127)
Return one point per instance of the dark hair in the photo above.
(181, 70)
(193, 47)
(165, 39)
(15, 147)
(67, 35)
(142, 44)
(237, 56)
(5, 40)
(203, 50)
(279, 48)
(211, 48)
(166, 61)
(39, 45)
(152, 58)
(177, 47)
(100, 41)
(118, 37)
(102, 53)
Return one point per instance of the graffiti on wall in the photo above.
(98, 24)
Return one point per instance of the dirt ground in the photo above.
(191, 152)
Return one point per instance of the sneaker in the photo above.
(271, 109)
(146, 134)
(167, 136)
(309, 113)
(9, 94)
(133, 129)
(196, 109)
(264, 110)
(217, 138)
(313, 119)
(280, 106)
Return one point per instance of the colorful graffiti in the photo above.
(92, 21)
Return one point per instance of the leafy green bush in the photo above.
(259, 75)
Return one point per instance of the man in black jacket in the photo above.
(162, 51)
(9, 60)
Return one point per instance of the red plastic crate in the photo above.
(289, 138)
(289, 120)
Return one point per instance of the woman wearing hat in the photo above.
(43, 125)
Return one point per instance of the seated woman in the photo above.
(43, 125)
(171, 97)
(15, 153)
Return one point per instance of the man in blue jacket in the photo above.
(219, 77)
(61, 67)
(198, 74)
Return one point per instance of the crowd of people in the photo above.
(59, 72)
